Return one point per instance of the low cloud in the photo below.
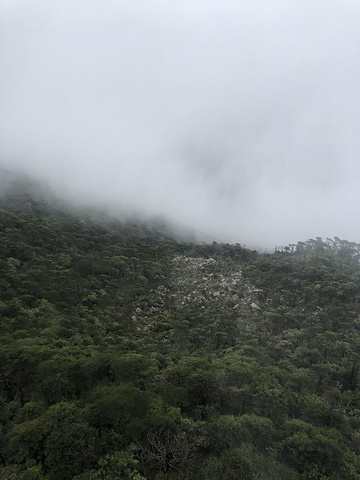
(240, 120)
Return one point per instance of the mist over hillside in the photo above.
(239, 121)
(128, 355)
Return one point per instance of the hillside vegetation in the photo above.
(128, 355)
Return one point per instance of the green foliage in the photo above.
(125, 354)
(32, 473)
(245, 463)
(120, 465)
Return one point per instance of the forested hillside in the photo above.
(128, 355)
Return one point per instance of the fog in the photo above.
(237, 119)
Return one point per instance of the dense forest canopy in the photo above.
(126, 354)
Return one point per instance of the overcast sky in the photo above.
(236, 118)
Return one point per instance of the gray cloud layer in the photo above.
(238, 119)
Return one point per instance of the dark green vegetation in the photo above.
(126, 355)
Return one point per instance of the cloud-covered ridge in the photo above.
(239, 119)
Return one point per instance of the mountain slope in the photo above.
(128, 355)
